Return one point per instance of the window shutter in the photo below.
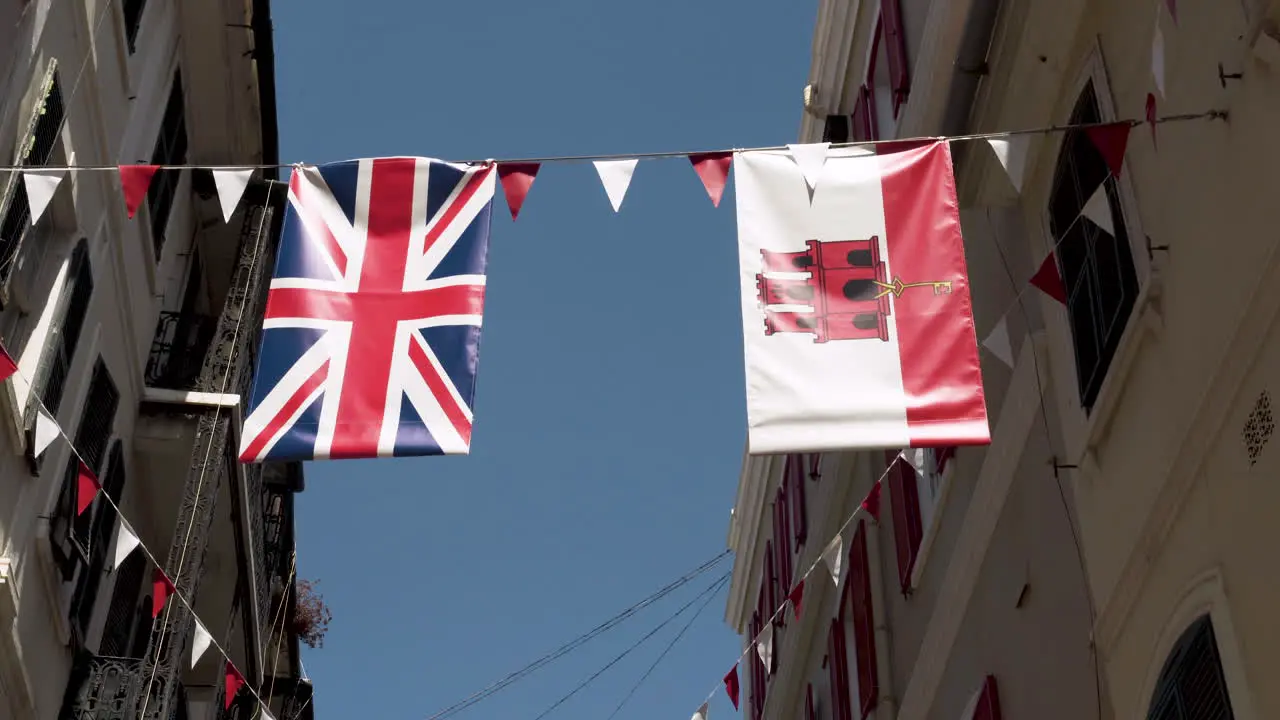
(757, 669)
(38, 144)
(799, 510)
(838, 670)
(988, 707)
(103, 521)
(863, 119)
(123, 609)
(942, 456)
(836, 129)
(63, 337)
(864, 625)
(770, 583)
(782, 533)
(896, 50)
(904, 496)
(810, 712)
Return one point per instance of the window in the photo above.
(123, 622)
(759, 674)
(38, 148)
(64, 334)
(799, 508)
(859, 126)
(769, 587)
(81, 541)
(884, 106)
(1191, 684)
(171, 149)
(861, 616)
(132, 10)
(908, 526)
(838, 671)
(782, 535)
(1097, 268)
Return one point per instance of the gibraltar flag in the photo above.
(857, 323)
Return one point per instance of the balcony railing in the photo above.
(113, 688)
(178, 350)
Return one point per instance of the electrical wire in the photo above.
(577, 642)
(662, 655)
(709, 593)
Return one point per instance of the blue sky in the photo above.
(610, 415)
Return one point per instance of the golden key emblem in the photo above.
(897, 287)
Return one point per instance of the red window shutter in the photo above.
(838, 670)
(770, 583)
(810, 712)
(864, 624)
(815, 466)
(782, 535)
(799, 511)
(942, 456)
(896, 50)
(864, 120)
(988, 702)
(907, 526)
(757, 670)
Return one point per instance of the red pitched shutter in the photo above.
(838, 670)
(864, 121)
(810, 712)
(941, 456)
(782, 534)
(799, 512)
(907, 526)
(757, 669)
(989, 702)
(770, 583)
(896, 50)
(864, 624)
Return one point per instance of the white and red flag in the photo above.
(858, 327)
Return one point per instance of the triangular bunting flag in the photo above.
(731, 686)
(1098, 210)
(46, 432)
(916, 456)
(810, 157)
(997, 343)
(234, 681)
(713, 169)
(615, 175)
(134, 181)
(87, 487)
(231, 185)
(161, 589)
(1173, 9)
(703, 713)
(41, 185)
(199, 643)
(1151, 118)
(833, 555)
(1157, 59)
(1012, 153)
(871, 503)
(1111, 141)
(796, 596)
(8, 368)
(764, 645)
(516, 178)
(126, 541)
(1049, 280)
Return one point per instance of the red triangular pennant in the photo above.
(135, 180)
(8, 368)
(872, 502)
(234, 681)
(161, 589)
(1111, 141)
(713, 169)
(1151, 117)
(517, 178)
(731, 685)
(87, 487)
(796, 596)
(1049, 280)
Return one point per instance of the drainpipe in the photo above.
(887, 706)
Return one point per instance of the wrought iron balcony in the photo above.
(113, 688)
(178, 350)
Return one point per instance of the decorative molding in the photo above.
(185, 397)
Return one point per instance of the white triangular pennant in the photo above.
(615, 175)
(47, 431)
(1011, 151)
(832, 556)
(997, 342)
(41, 185)
(126, 541)
(702, 714)
(265, 714)
(1098, 209)
(810, 157)
(199, 643)
(764, 645)
(917, 458)
(1157, 58)
(231, 185)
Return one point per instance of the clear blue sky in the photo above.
(610, 416)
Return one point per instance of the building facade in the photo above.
(1105, 556)
(138, 336)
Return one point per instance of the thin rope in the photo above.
(1048, 129)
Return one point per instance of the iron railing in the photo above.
(113, 688)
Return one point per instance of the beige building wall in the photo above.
(1169, 473)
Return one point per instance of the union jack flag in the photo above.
(372, 331)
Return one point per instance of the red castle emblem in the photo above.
(847, 290)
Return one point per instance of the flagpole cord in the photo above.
(1048, 129)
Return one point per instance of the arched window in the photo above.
(1097, 266)
(1191, 684)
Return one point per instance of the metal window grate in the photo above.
(1097, 268)
(38, 146)
(1259, 427)
(171, 149)
(1191, 684)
